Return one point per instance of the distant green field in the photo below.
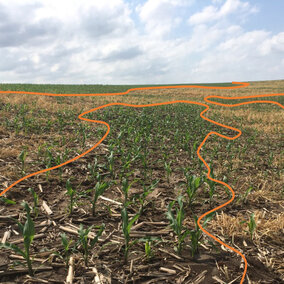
(81, 89)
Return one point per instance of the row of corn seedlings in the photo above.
(145, 138)
(27, 230)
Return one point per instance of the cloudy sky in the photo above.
(140, 41)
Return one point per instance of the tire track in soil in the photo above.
(206, 99)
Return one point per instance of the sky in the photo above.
(140, 42)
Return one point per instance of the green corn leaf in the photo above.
(124, 216)
(69, 187)
(64, 241)
(148, 248)
(125, 185)
(195, 221)
(29, 230)
(20, 226)
(184, 235)
(13, 247)
(208, 218)
(23, 155)
(179, 219)
(180, 203)
(35, 196)
(57, 254)
(252, 224)
(170, 215)
(197, 182)
(149, 239)
(7, 201)
(247, 192)
(100, 189)
(131, 222)
(99, 233)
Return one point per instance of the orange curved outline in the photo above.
(156, 104)
(208, 168)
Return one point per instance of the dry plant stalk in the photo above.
(70, 276)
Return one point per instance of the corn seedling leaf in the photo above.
(7, 201)
(13, 247)
(99, 233)
(131, 222)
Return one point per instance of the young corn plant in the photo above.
(251, 225)
(229, 193)
(67, 249)
(126, 162)
(126, 228)
(146, 191)
(71, 192)
(17, 125)
(83, 240)
(125, 188)
(243, 197)
(97, 191)
(35, 197)
(193, 153)
(196, 234)
(192, 184)
(28, 231)
(194, 238)
(58, 161)
(168, 170)
(148, 244)
(144, 156)
(93, 169)
(22, 157)
(110, 159)
(148, 250)
(186, 143)
(176, 222)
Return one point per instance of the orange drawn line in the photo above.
(241, 85)
(208, 168)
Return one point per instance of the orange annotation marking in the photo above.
(241, 85)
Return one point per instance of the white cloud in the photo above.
(244, 43)
(273, 44)
(61, 37)
(160, 16)
(241, 58)
(116, 42)
(213, 12)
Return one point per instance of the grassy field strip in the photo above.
(241, 85)
(120, 90)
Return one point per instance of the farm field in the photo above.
(137, 196)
